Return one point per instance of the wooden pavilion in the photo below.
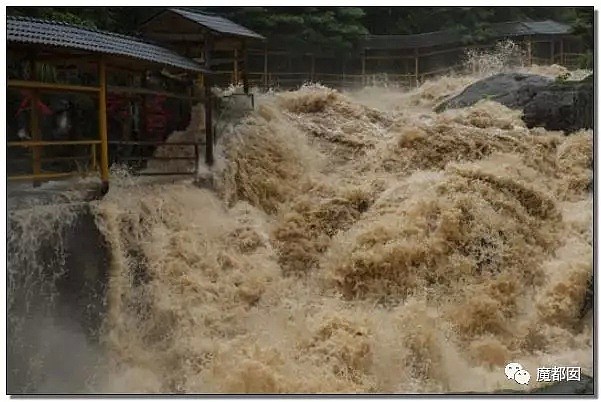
(48, 42)
(208, 39)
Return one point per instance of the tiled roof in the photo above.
(217, 24)
(548, 27)
(501, 29)
(52, 33)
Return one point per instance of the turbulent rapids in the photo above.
(353, 242)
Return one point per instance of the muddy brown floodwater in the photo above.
(354, 243)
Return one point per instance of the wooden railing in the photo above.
(142, 159)
(288, 80)
(38, 174)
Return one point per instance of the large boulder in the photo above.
(552, 104)
(563, 105)
(513, 90)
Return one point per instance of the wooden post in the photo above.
(102, 126)
(416, 67)
(265, 82)
(34, 126)
(529, 44)
(312, 67)
(236, 66)
(208, 105)
(552, 51)
(143, 128)
(363, 67)
(208, 123)
(244, 69)
(561, 56)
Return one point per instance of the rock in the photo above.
(583, 387)
(513, 90)
(563, 105)
(552, 104)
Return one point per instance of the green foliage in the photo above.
(304, 28)
(332, 29)
(586, 60)
(583, 26)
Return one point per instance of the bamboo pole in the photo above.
(102, 126)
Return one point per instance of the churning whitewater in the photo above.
(354, 243)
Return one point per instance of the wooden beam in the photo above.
(226, 44)
(175, 37)
(144, 91)
(41, 176)
(102, 125)
(66, 59)
(50, 87)
(50, 143)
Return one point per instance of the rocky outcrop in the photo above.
(513, 90)
(548, 103)
(563, 105)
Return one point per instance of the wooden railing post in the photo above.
(34, 125)
(562, 59)
(102, 126)
(416, 67)
(236, 66)
(208, 104)
(265, 77)
(244, 69)
(363, 68)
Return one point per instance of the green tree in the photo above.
(303, 28)
(583, 27)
